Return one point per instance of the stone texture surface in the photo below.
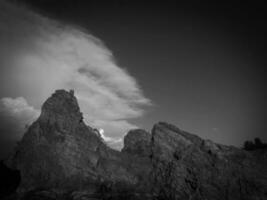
(187, 167)
(60, 157)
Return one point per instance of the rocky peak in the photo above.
(62, 105)
(58, 145)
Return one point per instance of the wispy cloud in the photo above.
(39, 55)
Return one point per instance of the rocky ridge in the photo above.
(60, 157)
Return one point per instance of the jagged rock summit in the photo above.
(60, 157)
(58, 147)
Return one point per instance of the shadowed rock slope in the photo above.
(60, 157)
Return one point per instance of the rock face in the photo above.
(60, 157)
(187, 167)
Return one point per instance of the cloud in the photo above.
(112, 138)
(115, 143)
(39, 55)
(15, 114)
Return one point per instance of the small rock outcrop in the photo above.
(60, 157)
(137, 142)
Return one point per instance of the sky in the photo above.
(199, 66)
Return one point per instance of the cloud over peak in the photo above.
(39, 55)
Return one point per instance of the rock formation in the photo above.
(60, 157)
(193, 168)
(57, 147)
(60, 152)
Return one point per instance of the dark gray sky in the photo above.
(202, 65)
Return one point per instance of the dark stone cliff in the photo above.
(60, 157)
